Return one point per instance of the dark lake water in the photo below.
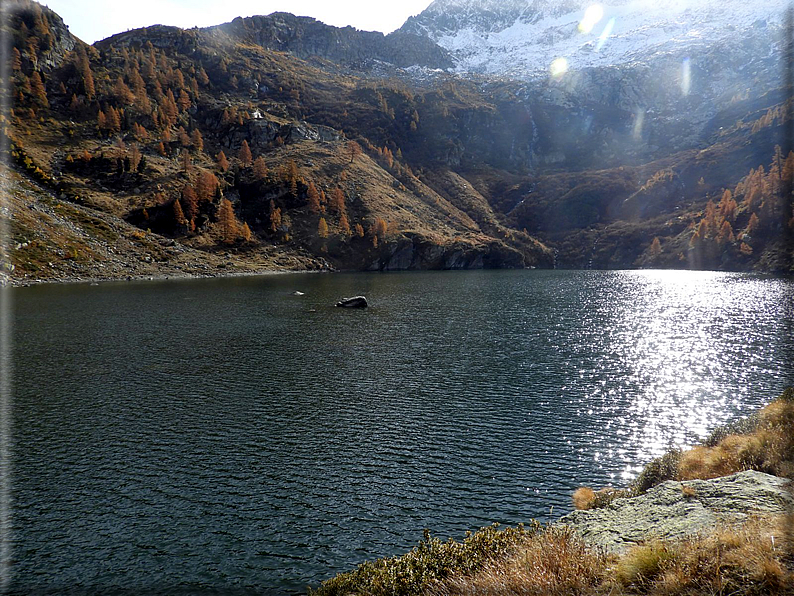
(224, 436)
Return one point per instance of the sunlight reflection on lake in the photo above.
(166, 428)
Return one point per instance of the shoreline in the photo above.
(25, 283)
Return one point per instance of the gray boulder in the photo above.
(354, 302)
(675, 510)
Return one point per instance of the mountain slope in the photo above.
(220, 141)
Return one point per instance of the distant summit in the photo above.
(447, 17)
(307, 37)
(519, 38)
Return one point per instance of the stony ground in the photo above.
(674, 510)
(52, 240)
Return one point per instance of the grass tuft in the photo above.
(583, 497)
(644, 563)
(551, 563)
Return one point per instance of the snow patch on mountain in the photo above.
(520, 38)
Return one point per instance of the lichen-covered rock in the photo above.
(678, 509)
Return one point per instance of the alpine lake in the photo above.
(228, 436)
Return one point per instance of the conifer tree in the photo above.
(113, 120)
(187, 162)
(380, 228)
(353, 149)
(190, 201)
(169, 108)
(246, 232)
(227, 222)
(655, 249)
(245, 154)
(202, 77)
(16, 61)
(101, 121)
(322, 228)
(725, 234)
(179, 215)
(313, 198)
(183, 137)
(206, 186)
(135, 158)
(275, 217)
(122, 92)
(197, 140)
(260, 168)
(223, 163)
(183, 103)
(337, 201)
(37, 90)
(84, 68)
(344, 225)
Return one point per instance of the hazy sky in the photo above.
(92, 20)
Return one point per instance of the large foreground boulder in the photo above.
(675, 510)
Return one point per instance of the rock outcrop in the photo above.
(306, 37)
(675, 510)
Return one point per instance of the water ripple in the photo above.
(201, 436)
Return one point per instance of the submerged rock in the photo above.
(354, 302)
(674, 510)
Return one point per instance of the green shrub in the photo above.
(430, 561)
(659, 470)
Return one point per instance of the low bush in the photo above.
(431, 561)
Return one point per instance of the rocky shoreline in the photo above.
(7, 281)
(674, 510)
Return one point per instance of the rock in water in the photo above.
(667, 512)
(354, 302)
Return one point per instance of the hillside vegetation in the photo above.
(217, 140)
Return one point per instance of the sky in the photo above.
(92, 20)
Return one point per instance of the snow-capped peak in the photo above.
(524, 37)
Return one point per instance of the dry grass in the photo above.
(769, 447)
(751, 559)
(554, 562)
(583, 497)
(754, 559)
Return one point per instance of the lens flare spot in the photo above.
(559, 67)
(602, 39)
(686, 76)
(639, 121)
(592, 15)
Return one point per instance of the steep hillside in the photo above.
(281, 136)
(210, 139)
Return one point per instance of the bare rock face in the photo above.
(676, 510)
(306, 37)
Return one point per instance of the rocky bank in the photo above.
(674, 510)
